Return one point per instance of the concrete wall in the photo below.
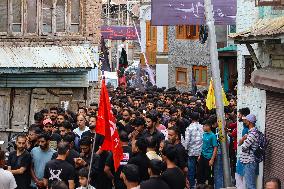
(185, 54)
(248, 96)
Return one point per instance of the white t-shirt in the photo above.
(7, 180)
(79, 132)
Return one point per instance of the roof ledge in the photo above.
(269, 78)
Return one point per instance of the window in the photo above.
(40, 16)
(4, 16)
(75, 16)
(187, 32)
(200, 75)
(31, 16)
(181, 76)
(60, 16)
(249, 68)
(47, 7)
(17, 16)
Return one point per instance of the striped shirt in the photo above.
(249, 146)
(193, 139)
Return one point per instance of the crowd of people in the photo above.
(170, 140)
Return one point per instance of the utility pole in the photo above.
(218, 90)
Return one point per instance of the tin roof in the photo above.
(46, 57)
(262, 28)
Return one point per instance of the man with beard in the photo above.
(91, 133)
(19, 163)
(124, 124)
(54, 137)
(53, 112)
(40, 156)
(152, 131)
(85, 159)
(33, 134)
(174, 139)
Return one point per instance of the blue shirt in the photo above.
(39, 160)
(209, 142)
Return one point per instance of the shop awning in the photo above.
(269, 78)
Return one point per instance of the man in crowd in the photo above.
(40, 156)
(173, 175)
(152, 131)
(130, 176)
(7, 180)
(193, 144)
(53, 112)
(139, 158)
(19, 162)
(59, 169)
(33, 134)
(174, 139)
(248, 146)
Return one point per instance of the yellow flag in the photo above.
(210, 100)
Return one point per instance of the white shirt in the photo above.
(7, 180)
(79, 132)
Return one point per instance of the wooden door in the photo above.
(151, 43)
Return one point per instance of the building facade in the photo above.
(260, 77)
(48, 49)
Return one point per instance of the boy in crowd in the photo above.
(208, 155)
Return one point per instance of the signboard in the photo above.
(119, 32)
(191, 12)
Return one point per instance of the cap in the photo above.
(47, 121)
(251, 118)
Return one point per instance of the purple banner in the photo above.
(119, 32)
(191, 12)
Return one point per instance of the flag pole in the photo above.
(218, 91)
(92, 157)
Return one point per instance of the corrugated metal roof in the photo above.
(34, 80)
(263, 27)
(47, 57)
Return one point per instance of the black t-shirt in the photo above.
(181, 158)
(142, 161)
(159, 136)
(99, 138)
(16, 162)
(56, 170)
(70, 158)
(174, 177)
(127, 154)
(154, 183)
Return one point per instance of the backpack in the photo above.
(262, 143)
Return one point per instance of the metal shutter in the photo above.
(274, 130)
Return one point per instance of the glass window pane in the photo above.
(17, 10)
(204, 76)
(197, 76)
(75, 11)
(3, 15)
(60, 16)
(47, 16)
(74, 28)
(181, 76)
(17, 15)
(31, 16)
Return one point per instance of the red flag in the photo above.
(106, 126)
